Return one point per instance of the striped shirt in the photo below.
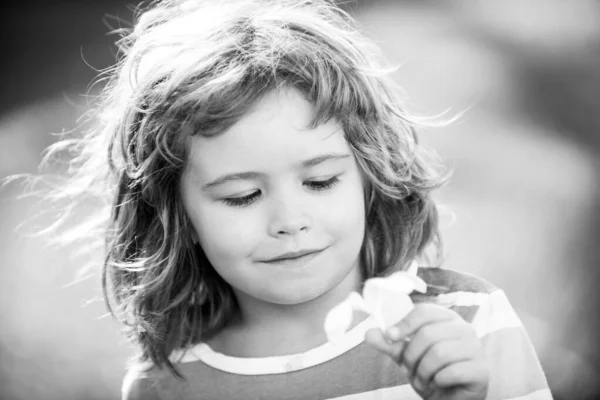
(352, 369)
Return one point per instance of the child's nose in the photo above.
(290, 229)
(288, 218)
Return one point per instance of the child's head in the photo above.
(268, 186)
(207, 89)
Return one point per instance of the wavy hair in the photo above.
(195, 68)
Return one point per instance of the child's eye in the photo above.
(242, 201)
(322, 185)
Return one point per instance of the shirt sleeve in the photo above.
(138, 386)
(515, 371)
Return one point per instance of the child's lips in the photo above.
(295, 261)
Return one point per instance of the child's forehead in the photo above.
(285, 101)
(275, 133)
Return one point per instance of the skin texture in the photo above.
(282, 206)
(441, 352)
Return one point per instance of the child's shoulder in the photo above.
(139, 383)
(143, 381)
(475, 299)
(445, 281)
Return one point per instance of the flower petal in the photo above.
(387, 304)
(394, 312)
(387, 300)
(413, 268)
(357, 302)
(374, 299)
(406, 283)
(338, 320)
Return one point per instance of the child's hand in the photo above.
(441, 351)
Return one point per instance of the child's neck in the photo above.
(274, 330)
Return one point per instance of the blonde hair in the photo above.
(194, 68)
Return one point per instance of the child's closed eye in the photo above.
(322, 184)
(242, 201)
(315, 184)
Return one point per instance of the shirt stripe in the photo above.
(404, 392)
(279, 364)
(514, 368)
(495, 313)
(542, 394)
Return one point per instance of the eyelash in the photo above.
(323, 185)
(242, 201)
(252, 197)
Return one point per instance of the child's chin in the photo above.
(292, 299)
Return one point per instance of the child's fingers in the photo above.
(430, 334)
(377, 339)
(441, 355)
(461, 373)
(421, 315)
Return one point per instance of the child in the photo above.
(261, 169)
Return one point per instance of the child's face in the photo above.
(278, 187)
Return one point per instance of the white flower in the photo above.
(385, 299)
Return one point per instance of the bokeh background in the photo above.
(522, 209)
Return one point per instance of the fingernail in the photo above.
(418, 385)
(394, 333)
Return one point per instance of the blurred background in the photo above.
(525, 194)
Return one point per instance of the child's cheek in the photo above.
(230, 231)
(346, 209)
(343, 216)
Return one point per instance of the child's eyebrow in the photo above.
(233, 177)
(257, 175)
(325, 157)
